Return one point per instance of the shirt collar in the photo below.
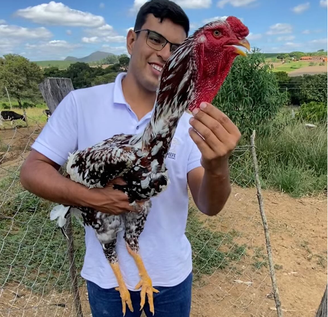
(119, 97)
(118, 91)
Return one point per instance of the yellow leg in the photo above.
(145, 282)
(124, 292)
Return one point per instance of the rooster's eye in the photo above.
(216, 33)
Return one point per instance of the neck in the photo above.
(163, 124)
(140, 100)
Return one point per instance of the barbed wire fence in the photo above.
(39, 276)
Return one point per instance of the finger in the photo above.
(219, 116)
(118, 181)
(208, 136)
(207, 126)
(203, 147)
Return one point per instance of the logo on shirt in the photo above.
(173, 149)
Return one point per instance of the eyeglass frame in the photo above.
(161, 36)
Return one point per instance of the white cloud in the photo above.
(56, 13)
(280, 28)
(68, 32)
(114, 49)
(322, 41)
(323, 3)
(253, 37)
(306, 32)
(104, 33)
(194, 4)
(102, 5)
(2, 21)
(104, 30)
(49, 50)
(235, 3)
(285, 38)
(185, 4)
(108, 39)
(93, 39)
(13, 32)
(205, 21)
(301, 7)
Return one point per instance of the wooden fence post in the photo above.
(54, 91)
(322, 310)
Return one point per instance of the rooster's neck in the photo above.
(176, 92)
(163, 124)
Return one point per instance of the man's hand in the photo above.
(113, 201)
(216, 137)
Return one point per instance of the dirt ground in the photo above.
(309, 70)
(298, 235)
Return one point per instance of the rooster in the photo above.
(192, 74)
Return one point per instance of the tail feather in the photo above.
(59, 212)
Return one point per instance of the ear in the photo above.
(130, 41)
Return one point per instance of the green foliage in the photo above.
(206, 244)
(250, 94)
(124, 61)
(314, 88)
(21, 77)
(303, 89)
(313, 112)
(104, 79)
(292, 158)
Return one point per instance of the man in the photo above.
(87, 116)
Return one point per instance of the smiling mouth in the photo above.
(156, 67)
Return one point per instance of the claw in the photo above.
(125, 297)
(147, 289)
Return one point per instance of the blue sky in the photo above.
(45, 30)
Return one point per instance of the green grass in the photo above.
(292, 157)
(288, 67)
(33, 249)
(207, 244)
(34, 114)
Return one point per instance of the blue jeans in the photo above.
(169, 302)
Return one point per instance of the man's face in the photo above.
(146, 62)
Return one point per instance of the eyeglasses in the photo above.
(158, 41)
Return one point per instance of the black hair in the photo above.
(162, 9)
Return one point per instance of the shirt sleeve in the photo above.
(194, 157)
(59, 136)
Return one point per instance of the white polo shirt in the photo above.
(88, 116)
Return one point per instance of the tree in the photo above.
(250, 94)
(53, 72)
(124, 61)
(81, 74)
(21, 77)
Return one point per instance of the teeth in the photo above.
(157, 67)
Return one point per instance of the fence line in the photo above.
(38, 276)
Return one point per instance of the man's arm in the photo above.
(216, 137)
(40, 176)
(209, 192)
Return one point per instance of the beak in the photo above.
(243, 43)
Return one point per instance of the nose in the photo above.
(165, 53)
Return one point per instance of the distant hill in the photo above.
(93, 57)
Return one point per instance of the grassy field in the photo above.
(292, 157)
(290, 66)
(59, 64)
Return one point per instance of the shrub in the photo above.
(250, 94)
(313, 112)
